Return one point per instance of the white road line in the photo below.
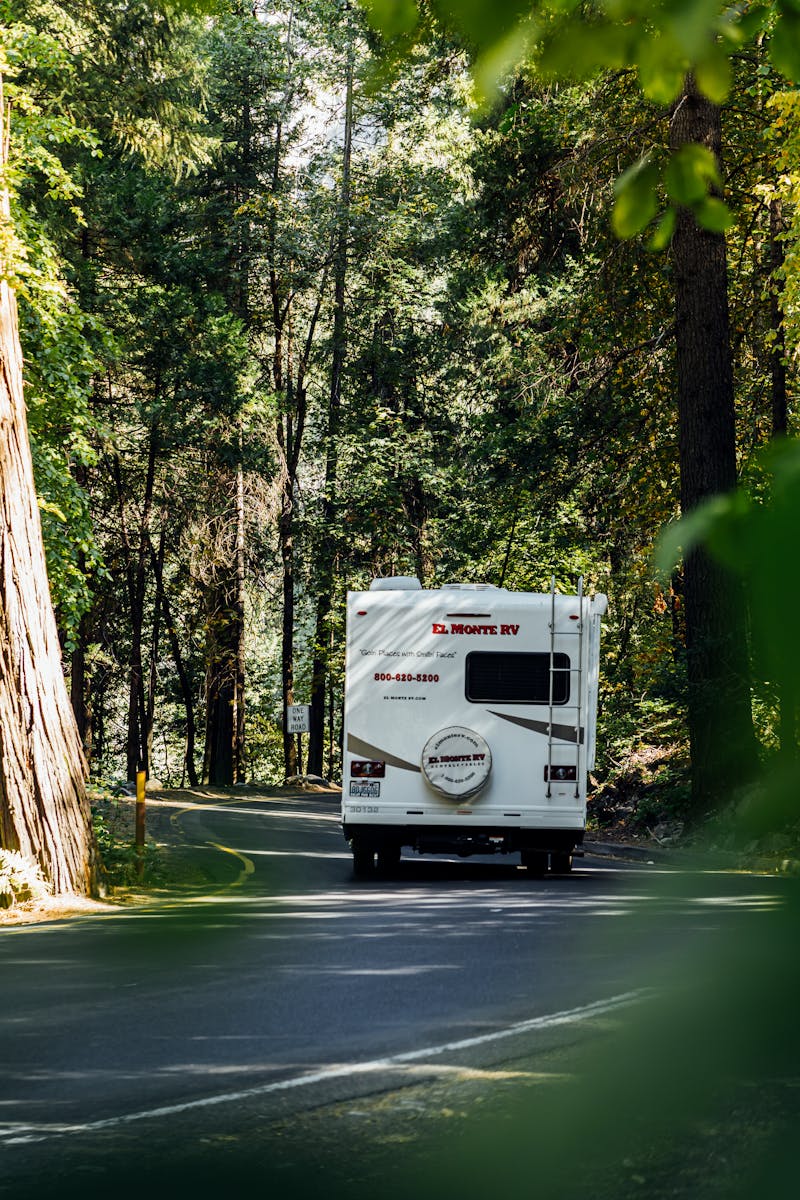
(21, 1134)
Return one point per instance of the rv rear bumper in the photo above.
(474, 839)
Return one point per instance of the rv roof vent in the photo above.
(471, 587)
(396, 583)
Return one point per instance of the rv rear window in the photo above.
(515, 678)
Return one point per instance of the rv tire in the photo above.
(363, 860)
(388, 859)
(535, 862)
(560, 864)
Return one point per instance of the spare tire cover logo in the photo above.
(456, 762)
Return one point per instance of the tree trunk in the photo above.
(183, 678)
(239, 681)
(723, 748)
(220, 685)
(286, 539)
(225, 633)
(155, 641)
(320, 664)
(81, 688)
(136, 575)
(787, 686)
(780, 406)
(44, 811)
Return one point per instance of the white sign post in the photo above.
(298, 718)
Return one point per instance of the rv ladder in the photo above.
(570, 671)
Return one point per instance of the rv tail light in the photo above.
(562, 774)
(362, 613)
(367, 769)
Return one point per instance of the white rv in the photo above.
(469, 726)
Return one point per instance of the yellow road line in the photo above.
(247, 869)
(193, 808)
(248, 864)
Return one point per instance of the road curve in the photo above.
(287, 975)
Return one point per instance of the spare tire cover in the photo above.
(456, 762)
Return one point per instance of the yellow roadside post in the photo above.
(141, 777)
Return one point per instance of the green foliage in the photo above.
(690, 177)
(507, 401)
(784, 143)
(123, 865)
(636, 202)
(60, 359)
(661, 40)
(785, 41)
(750, 531)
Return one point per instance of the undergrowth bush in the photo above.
(20, 879)
(119, 856)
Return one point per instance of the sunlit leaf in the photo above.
(393, 17)
(578, 50)
(494, 65)
(742, 27)
(636, 201)
(691, 23)
(689, 173)
(662, 236)
(679, 538)
(713, 214)
(201, 7)
(661, 68)
(713, 75)
(485, 25)
(784, 46)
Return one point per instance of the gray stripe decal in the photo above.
(565, 733)
(365, 750)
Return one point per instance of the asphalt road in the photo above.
(287, 984)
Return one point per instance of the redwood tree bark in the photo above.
(44, 811)
(723, 747)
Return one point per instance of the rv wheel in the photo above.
(535, 862)
(388, 859)
(561, 864)
(363, 860)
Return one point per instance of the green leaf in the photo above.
(661, 68)
(689, 173)
(663, 233)
(393, 17)
(713, 214)
(636, 202)
(486, 25)
(784, 46)
(691, 23)
(576, 50)
(495, 64)
(696, 528)
(741, 27)
(713, 75)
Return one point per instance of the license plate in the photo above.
(365, 791)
